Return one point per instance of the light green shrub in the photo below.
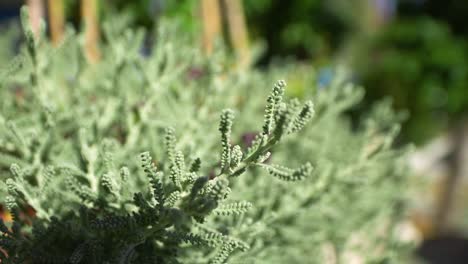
(134, 160)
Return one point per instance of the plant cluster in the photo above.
(137, 160)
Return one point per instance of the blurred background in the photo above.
(411, 52)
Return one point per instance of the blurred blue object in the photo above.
(325, 77)
(156, 7)
(7, 14)
(9, 9)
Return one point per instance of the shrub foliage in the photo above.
(136, 160)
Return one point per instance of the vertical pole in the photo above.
(238, 30)
(89, 16)
(458, 168)
(56, 20)
(36, 14)
(211, 24)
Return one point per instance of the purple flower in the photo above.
(195, 73)
(248, 138)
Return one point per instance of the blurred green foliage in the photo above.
(146, 12)
(304, 29)
(143, 13)
(419, 59)
(423, 66)
(9, 34)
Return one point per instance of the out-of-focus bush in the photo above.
(304, 29)
(423, 66)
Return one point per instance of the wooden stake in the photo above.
(56, 20)
(89, 16)
(238, 30)
(36, 14)
(211, 24)
(458, 170)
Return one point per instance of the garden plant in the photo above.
(176, 157)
